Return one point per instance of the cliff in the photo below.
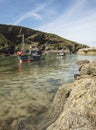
(75, 103)
(87, 51)
(11, 39)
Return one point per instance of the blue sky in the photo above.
(71, 19)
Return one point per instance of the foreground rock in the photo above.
(75, 103)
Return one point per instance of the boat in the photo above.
(62, 53)
(32, 55)
(29, 55)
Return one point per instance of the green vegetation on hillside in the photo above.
(11, 39)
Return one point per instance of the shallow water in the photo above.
(25, 87)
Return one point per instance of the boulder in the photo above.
(79, 109)
(88, 69)
(81, 62)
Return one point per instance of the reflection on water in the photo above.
(24, 86)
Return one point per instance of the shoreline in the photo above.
(75, 102)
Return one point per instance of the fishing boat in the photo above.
(32, 55)
(29, 55)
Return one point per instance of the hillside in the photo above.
(11, 39)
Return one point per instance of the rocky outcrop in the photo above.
(75, 102)
(81, 62)
(87, 51)
(88, 69)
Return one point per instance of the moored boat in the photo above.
(32, 55)
(62, 53)
(29, 55)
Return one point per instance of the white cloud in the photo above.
(78, 5)
(75, 24)
(33, 13)
(28, 15)
(44, 7)
(65, 18)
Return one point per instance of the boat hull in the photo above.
(32, 55)
(61, 54)
(28, 58)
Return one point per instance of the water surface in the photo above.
(27, 87)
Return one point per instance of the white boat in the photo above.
(62, 53)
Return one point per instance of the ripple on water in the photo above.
(26, 90)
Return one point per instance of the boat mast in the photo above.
(23, 43)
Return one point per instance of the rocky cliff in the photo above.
(75, 103)
(87, 51)
(11, 38)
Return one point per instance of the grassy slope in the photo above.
(9, 37)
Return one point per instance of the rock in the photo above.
(74, 106)
(57, 106)
(88, 69)
(60, 99)
(81, 62)
(85, 69)
(87, 51)
(76, 76)
(79, 108)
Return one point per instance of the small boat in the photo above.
(61, 54)
(29, 55)
(32, 55)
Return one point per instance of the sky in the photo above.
(71, 19)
